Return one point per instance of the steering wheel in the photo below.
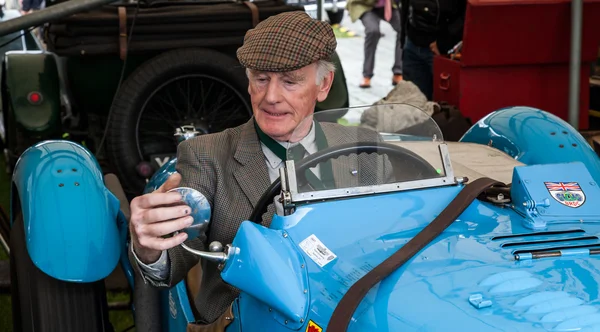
(403, 154)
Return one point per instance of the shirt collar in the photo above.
(307, 143)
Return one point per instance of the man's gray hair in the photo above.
(323, 68)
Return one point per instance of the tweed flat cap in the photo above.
(286, 42)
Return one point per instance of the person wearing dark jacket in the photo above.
(431, 27)
(28, 6)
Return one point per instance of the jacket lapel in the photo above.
(252, 176)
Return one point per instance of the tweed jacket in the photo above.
(229, 169)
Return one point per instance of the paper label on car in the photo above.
(566, 193)
(317, 251)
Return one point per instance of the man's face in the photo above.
(280, 101)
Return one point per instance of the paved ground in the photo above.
(351, 54)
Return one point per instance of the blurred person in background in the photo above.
(431, 27)
(28, 6)
(371, 12)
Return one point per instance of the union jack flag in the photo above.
(564, 186)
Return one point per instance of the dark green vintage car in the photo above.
(122, 78)
(18, 41)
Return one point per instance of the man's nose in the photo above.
(273, 94)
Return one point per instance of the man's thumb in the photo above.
(172, 182)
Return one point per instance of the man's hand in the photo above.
(434, 48)
(155, 215)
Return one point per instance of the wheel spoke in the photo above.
(190, 105)
(162, 100)
(153, 133)
(159, 119)
(214, 111)
(207, 94)
(234, 114)
(184, 95)
(193, 102)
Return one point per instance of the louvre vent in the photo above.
(527, 235)
(549, 243)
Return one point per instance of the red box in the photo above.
(516, 53)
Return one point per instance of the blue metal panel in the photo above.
(176, 310)
(123, 226)
(236, 324)
(555, 193)
(161, 176)
(472, 262)
(276, 276)
(69, 215)
(533, 136)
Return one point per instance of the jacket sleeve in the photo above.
(196, 172)
(453, 33)
(158, 270)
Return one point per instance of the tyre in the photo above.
(41, 303)
(181, 87)
(335, 18)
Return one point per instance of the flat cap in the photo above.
(286, 42)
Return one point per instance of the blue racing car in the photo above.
(496, 232)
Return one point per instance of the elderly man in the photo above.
(286, 57)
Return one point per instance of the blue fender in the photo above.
(533, 136)
(70, 218)
(161, 176)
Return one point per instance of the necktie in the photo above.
(298, 153)
(387, 10)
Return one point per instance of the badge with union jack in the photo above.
(566, 193)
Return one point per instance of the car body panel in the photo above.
(471, 262)
(29, 72)
(70, 218)
(533, 136)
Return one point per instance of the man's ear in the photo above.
(325, 86)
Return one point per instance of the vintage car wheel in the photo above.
(335, 18)
(42, 303)
(181, 87)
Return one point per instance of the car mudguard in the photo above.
(533, 136)
(33, 73)
(161, 175)
(70, 217)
